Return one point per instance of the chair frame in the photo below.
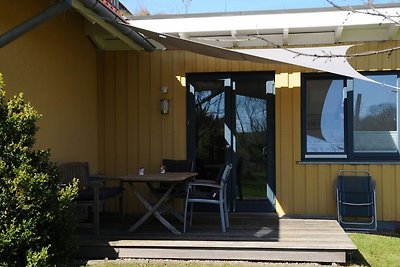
(80, 170)
(221, 201)
(352, 225)
(174, 165)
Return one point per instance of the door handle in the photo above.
(265, 151)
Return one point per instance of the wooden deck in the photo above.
(251, 237)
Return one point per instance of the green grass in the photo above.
(376, 250)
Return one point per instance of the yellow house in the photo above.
(287, 129)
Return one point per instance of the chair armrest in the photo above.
(96, 180)
(204, 184)
(96, 184)
(204, 181)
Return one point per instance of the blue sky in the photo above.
(204, 6)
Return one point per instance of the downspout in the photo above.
(117, 22)
(33, 22)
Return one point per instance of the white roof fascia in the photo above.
(259, 22)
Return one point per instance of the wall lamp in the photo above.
(164, 106)
(164, 102)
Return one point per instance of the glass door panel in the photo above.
(255, 144)
(251, 140)
(210, 143)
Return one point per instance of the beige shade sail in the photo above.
(328, 59)
(319, 58)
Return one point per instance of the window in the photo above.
(324, 116)
(350, 119)
(375, 116)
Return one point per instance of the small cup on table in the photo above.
(141, 171)
(162, 168)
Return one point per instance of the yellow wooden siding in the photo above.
(299, 181)
(302, 189)
(397, 188)
(54, 65)
(133, 122)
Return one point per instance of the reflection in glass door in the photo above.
(230, 119)
(251, 141)
(209, 111)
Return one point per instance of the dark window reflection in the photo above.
(375, 115)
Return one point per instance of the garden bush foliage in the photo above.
(36, 213)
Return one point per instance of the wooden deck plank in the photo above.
(284, 244)
(220, 254)
(235, 255)
(251, 237)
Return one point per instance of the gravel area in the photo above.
(175, 263)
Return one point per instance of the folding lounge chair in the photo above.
(356, 201)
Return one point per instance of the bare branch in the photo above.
(330, 55)
(370, 11)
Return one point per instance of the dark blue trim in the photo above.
(269, 203)
(349, 123)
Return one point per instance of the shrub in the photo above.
(36, 214)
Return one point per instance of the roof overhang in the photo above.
(194, 34)
(277, 28)
(107, 28)
(104, 26)
(103, 34)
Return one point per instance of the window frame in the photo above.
(348, 127)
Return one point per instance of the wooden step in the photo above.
(212, 251)
(250, 238)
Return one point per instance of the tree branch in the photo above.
(370, 11)
(330, 55)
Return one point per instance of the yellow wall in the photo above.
(132, 132)
(104, 108)
(55, 66)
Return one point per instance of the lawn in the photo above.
(376, 250)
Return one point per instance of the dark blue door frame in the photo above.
(230, 120)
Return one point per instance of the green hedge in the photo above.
(36, 213)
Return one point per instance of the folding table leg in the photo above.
(166, 206)
(153, 209)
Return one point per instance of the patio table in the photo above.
(171, 178)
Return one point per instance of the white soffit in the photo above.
(294, 27)
(239, 22)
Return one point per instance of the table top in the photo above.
(158, 177)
